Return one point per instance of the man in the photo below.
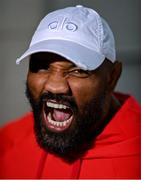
(79, 127)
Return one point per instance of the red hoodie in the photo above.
(116, 154)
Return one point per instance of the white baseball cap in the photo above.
(78, 34)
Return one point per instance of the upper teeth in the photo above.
(57, 106)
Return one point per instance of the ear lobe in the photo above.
(114, 75)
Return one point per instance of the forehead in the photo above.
(49, 58)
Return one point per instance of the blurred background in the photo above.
(18, 20)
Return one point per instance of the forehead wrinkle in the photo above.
(62, 64)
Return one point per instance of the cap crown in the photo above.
(78, 24)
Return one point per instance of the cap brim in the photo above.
(83, 57)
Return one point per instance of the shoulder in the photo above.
(129, 104)
(15, 131)
(128, 117)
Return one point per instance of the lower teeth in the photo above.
(56, 123)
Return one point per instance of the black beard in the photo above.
(74, 142)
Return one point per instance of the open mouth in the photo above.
(58, 116)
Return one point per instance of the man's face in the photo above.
(68, 103)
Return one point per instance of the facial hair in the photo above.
(76, 140)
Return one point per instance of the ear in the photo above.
(114, 75)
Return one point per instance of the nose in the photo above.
(57, 84)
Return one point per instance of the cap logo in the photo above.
(66, 25)
(53, 25)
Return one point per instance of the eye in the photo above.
(79, 73)
(39, 69)
(37, 66)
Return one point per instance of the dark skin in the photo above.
(60, 76)
(92, 93)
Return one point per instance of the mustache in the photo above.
(60, 98)
(46, 96)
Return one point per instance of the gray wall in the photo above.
(18, 20)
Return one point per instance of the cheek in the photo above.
(35, 84)
(85, 90)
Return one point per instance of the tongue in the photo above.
(61, 115)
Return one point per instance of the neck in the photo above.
(112, 108)
(115, 105)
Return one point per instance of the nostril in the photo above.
(57, 85)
